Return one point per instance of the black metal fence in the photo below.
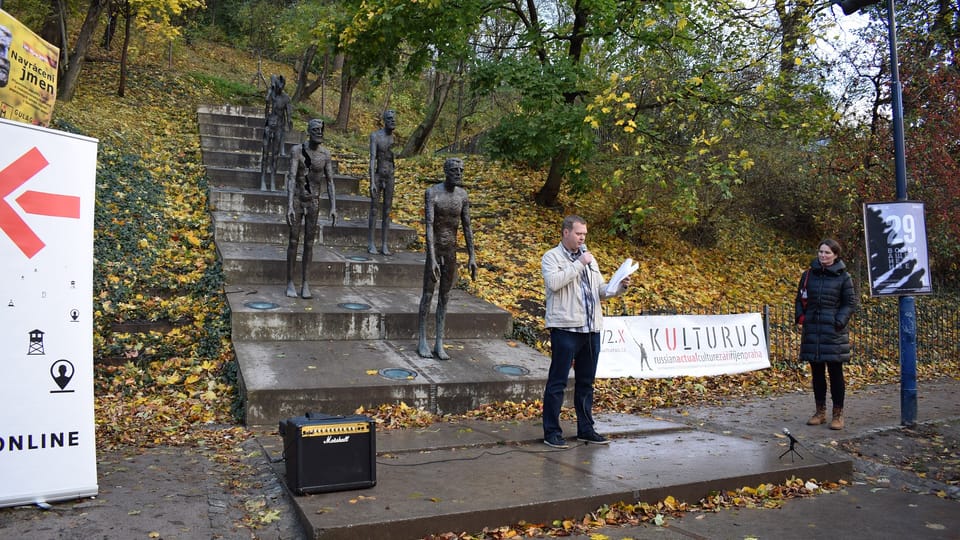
(874, 331)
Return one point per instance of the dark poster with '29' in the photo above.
(896, 239)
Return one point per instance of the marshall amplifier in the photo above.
(329, 453)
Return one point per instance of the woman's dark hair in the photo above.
(833, 245)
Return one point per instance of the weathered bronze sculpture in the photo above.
(446, 207)
(309, 164)
(381, 180)
(278, 119)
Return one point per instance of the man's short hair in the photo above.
(569, 221)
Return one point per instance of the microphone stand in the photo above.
(793, 443)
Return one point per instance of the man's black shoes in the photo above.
(555, 441)
(593, 438)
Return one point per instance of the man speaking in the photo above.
(574, 289)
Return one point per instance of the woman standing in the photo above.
(825, 302)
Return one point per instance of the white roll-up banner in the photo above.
(47, 430)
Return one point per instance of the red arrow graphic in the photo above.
(33, 202)
(50, 204)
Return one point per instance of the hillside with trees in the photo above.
(713, 143)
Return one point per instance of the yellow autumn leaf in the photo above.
(192, 239)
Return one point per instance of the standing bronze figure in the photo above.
(278, 119)
(309, 164)
(446, 207)
(381, 180)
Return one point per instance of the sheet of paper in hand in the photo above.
(628, 267)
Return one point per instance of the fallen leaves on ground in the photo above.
(624, 514)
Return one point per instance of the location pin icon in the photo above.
(62, 372)
(74, 315)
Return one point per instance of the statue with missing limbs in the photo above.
(278, 120)
(310, 164)
(381, 180)
(446, 208)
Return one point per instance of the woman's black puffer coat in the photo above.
(831, 301)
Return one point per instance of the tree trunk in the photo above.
(547, 196)
(54, 31)
(50, 31)
(418, 139)
(303, 73)
(347, 83)
(111, 29)
(458, 125)
(68, 82)
(128, 19)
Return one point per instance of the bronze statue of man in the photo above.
(446, 207)
(381, 180)
(309, 164)
(278, 119)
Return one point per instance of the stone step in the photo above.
(236, 144)
(247, 159)
(263, 312)
(249, 132)
(267, 263)
(255, 201)
(206, 111)
(249, 116)
(219, 176)
(226, 130)
(240, 160)
(273, 229)
(285, 379)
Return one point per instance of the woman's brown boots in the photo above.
(837, 422)
(820, 417)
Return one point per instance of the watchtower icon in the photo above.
(36, 343)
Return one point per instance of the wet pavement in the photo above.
(453, 477)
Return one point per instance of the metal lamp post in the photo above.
(906, 304)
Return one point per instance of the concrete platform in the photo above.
(263, 312)
(285, 379)
(439, 478)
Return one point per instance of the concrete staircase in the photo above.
(352, 344)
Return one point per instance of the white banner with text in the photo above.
(47, 432)
(660, 346)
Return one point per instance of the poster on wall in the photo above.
(47, 431)
(896, 240)
(660, 346)
(28, 73)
